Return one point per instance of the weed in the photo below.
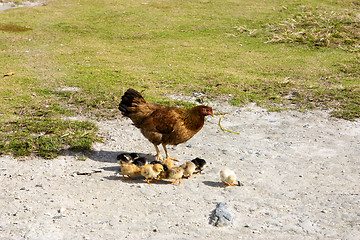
(11, 27)
(46, 137)
(319, 28)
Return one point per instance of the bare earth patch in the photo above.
(300, 176)
(4, 5)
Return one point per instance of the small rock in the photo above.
(220, 217)
(61, 210)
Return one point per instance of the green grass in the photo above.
(279, 54)
(46, 136)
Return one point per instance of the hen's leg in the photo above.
(158, 155)
(167, 155)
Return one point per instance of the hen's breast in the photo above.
(183, 131)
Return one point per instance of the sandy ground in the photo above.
(300, 176)
(17, 4)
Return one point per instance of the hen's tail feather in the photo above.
(128, 100)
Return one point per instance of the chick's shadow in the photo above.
(214, 184)
(136, 180)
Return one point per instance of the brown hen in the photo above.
(162, 124)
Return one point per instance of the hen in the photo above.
(162, 124)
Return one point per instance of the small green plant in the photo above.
(46, 137)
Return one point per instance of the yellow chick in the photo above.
(152, 172)
(189, 169)
(169, 163)
(129, 169)
(228, 177)
(173, 173)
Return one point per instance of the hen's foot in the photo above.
(172, 159)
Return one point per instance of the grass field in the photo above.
(75, 58)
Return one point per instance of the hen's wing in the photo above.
(161, 124)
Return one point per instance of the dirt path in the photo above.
(300, 176)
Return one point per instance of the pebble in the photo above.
(61, 210)
(220, 217)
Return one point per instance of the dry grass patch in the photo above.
(319, 27)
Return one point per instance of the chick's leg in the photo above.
(174, 182)
(167, 155)
(229, 184)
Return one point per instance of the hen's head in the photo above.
(204, 110)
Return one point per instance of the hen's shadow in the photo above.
(106, 156)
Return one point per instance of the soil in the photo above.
(299, 175)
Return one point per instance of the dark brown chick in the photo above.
(140, 161)
(162, 124)
(200, 165)
(124, 157)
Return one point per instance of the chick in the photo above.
(139, 161)
(124, 157)
(169, 163)
(200, 164)
(173, 173)
(189, 169)
(228, 177)
(150, 171)
(129, 169)
(134, 155)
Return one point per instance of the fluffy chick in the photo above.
(139, 161)
(134, 155)
(124, 157)
(129, 166)
(228, 177)
(173, 173)
(200, 164)
(169, 163)
(150, 171)
(189, 169)
(129, 169)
